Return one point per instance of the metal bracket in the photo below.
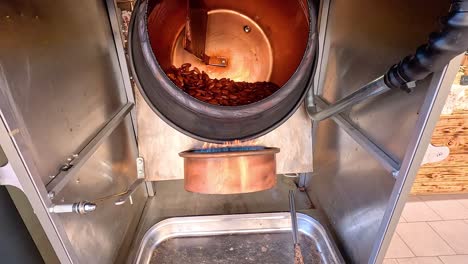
(74, 163)
(355, 133)
(140, 178)
(140, 163)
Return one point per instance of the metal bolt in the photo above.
(223, 61)
(140, 161)
(51, 176)
(77, 180)
(140, 171)
(51, 195)
(247, 29)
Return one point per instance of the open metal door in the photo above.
(66, 124)
(366, 159)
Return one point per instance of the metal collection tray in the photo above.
(243, 238)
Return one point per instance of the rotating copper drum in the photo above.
(230, 172)
(255, 41)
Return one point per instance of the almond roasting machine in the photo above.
(184, 131)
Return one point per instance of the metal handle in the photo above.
(128, 195)
(140, 178)
(292, 209)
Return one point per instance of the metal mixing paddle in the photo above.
(297, 248)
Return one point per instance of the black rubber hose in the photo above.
(442, 47)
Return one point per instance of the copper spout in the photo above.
(230, 172)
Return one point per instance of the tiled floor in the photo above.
(432, 230)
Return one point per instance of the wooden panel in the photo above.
(456, 143)
(454, 125)
(442, 174)
(451, 174)
(440, 187)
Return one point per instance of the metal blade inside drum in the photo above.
(195, 28)
(195, 33)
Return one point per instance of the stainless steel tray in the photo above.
(243, 238)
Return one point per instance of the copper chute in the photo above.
(230, 172)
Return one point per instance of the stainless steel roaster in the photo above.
(92, 164)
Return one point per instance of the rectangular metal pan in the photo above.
(243, 238)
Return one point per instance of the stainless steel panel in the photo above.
(245, 238)
(293, 138)
(360, 44)
(352, 188)
(344, 123)
(111, 170)
(420, 139)
(380, 35)
(60, 82)
(73, 166)
(60, 73)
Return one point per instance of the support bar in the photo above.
(69, 170)
(343, 122)
(371, 89)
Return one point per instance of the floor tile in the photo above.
(455, 233)
(446, 208)
(457, 259)
(417, 211)
(390, 261)
(423, 240)
(398, 248)
(461, 197)
(420, 260)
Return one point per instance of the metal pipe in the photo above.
(82, 207)
(372, 89)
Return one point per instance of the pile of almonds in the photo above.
(225, 92)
